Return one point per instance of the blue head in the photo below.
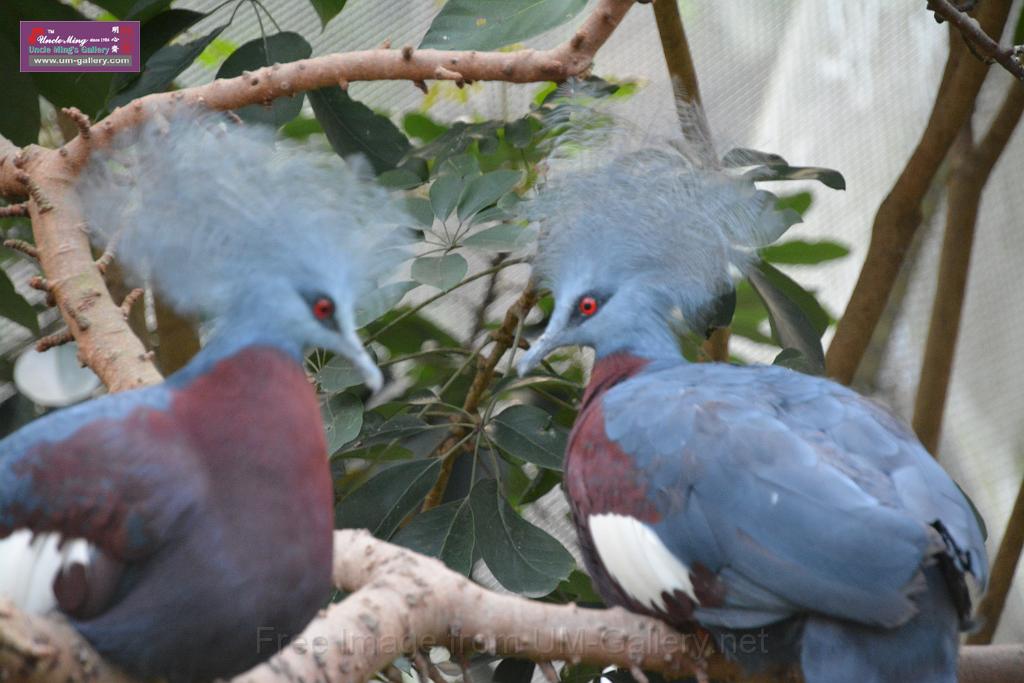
(271, 245)
(636, 245)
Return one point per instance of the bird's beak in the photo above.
(351, 346)
(546, 343)
(540, 348)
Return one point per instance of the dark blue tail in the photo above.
(923, 650)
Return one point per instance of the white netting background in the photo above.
(838, 84)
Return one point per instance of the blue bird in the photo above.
(207, 500)
(795, 520)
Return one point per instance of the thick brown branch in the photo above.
(1003, 568)
(105, 341)
(982, 42)
(899, 215)
(971, 167)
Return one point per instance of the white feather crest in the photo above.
(621, 208)
(205, 209)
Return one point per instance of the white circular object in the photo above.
(54, 378)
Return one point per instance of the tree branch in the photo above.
(692, 118)
(899, 214)
(683, 74)
(401, 601)
(504, 338)
(981, 43)
(1003, 568)
(971, 167)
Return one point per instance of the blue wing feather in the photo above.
(92, 471)
(801, 494)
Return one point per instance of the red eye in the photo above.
(588, 305)
(323, 308)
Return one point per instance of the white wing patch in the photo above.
(639, 562)
(28, 566)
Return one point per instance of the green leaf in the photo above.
(443, 272)
(301, 127)
(796, 317)
(581, 673)
(541, 484)
(421, 210)
(486, 190)
(1018, 39)
(464, 165)
(337, 375)
(163, 67)
(749, 315)
(799, 252)
(163, 28)
(579, 89)
(580, 586)
(400, 179)
(119, 8)
(826, 176)
(353, 128)
(87, 91)
(277, 48)
(519, 134)
(523, 558)
(422, 127)
(15, 307)
(719, 313)
(445, 532)
(444, 195)
(505, 237)
(799, 202)
(381, 300)
(402, 426)
(144, 10)
(512, 670)
(19, 115)
(327, 9)
(343, 418)
(490, 24)
(795, 360)
(388, 497)
(528, 433)
(742, 156)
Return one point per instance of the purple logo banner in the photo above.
(80, 46)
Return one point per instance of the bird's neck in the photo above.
(227, 342)
(642, 330)
(611, 370)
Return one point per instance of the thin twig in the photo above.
(485, 372)
(14, 210)
(52, 340)
(429, 300)
(81, 121)
(22, 246)
(981, 43)
(129, 301)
